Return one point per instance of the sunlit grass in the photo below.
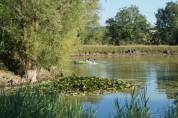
(34, 105)
(24, 104)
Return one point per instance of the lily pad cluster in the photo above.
(74, 85)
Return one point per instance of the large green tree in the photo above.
(39, 33)
(128, 26)
(167, 23)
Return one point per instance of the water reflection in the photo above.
(159, 74)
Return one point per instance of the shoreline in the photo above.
(119, 54)
(129, 50)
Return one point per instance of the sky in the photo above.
(148, 8)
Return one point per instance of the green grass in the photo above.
(172, 112)
(136, 107)
(138, 49)
(24, 104)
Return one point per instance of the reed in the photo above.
(135, 107)
(24, 104)
(172, 112)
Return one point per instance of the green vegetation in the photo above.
(167, 24)
(172, 112)
(26, 104)
(137, 107)
(42, 33)
(129, 49)
(34, 105)
(128, 26)
(79, 85)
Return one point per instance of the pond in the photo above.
(158, 73)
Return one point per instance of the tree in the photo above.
(112, 34)
(127, 26)
(167, 23)
(92, 30)
(39, 33)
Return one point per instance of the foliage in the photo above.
(96, 36)
(41, 33)
(128, 26)
(172, 112)
(136, 107)
(24, 103)
(79, 85)
(167, 24)
(92, 33)
(34, 105)
(129, 49)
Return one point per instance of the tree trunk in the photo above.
(36, 20)
(32, 75)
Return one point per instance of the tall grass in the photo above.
(24, 104)
(136, 107)
(172, 112)
(34, 105)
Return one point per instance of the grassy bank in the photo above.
(78, 86)
(95, 50)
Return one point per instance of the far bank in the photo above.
(124, 50)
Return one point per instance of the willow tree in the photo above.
(91, 22)
(39, 33)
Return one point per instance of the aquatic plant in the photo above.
(24, 104)
(172, 112)
(135, 107)
(74, 85)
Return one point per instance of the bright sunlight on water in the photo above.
(158, 73)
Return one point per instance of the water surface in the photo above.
(158, 73)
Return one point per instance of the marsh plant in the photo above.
(34, 105)
(172, 111)
(135, 107)
(26, 104)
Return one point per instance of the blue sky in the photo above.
(147, 7)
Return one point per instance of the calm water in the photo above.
(159, 74)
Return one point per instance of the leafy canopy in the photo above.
(167, 23)
(127, 26)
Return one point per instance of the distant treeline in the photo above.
(129, 26)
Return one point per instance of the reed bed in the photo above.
(24, 104)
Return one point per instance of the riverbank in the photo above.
(130, 50)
